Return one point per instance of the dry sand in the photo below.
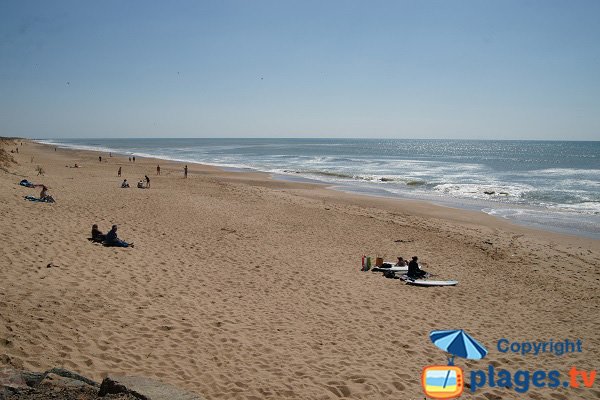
(241, 287)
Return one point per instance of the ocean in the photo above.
(553, 185)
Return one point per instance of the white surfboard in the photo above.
(423, 282)
(391, 269)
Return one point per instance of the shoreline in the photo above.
(244, 287)
(498, 210)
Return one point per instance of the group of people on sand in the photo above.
(145, 183)
(414, 271)
(140, 183)
(44, 195)
(109, 239)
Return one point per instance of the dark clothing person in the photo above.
(147, 181)
(97, 235)
(414, 271)
(112, 239)
(185, 171)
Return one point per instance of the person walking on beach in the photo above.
(147, 181)
(185, 171)
(158, 169)
(100, 158)
(133, 158)
(119, 172)
(129, 159)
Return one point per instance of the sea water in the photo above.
(554, 185)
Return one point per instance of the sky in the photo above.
(381, 69)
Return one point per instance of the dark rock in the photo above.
(32, 378)
(71, 375)
(111, 386)
(11, 378)
(58, 381)
(144, 389)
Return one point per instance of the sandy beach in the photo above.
(243, 287)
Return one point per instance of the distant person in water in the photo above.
(147, 181)
(185, 171)
(119, 172)
(413, 269)
(97, 235)
(158, 170)
(112, 239)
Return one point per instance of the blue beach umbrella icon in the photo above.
(458, 343)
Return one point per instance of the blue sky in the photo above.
(404, 69)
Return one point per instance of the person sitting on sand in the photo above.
(44, 196)
(401, 262)
(414, 271)
(97, 235)
(112, 239)
(140, 184)
(125, 184)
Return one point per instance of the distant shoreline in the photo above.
(523, 215)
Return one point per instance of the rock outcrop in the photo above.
(59, 383)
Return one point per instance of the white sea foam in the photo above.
(560, 178)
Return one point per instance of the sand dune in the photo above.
(240, 287)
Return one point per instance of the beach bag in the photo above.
(378, 261)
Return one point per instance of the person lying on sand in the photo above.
(26, 183)
(113, 240)
(414, 271)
